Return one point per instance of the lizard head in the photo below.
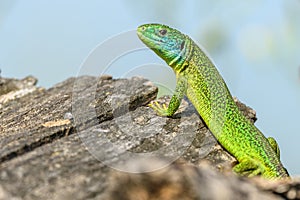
(166, 42)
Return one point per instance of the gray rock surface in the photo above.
(95, 138)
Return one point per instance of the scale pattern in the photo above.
(200, 81)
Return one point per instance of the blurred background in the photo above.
(255, 45)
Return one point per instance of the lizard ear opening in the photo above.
(182, 45)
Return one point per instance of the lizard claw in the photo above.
(161, 110)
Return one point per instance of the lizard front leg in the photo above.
(180, 91)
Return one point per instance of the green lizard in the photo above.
(200, 81)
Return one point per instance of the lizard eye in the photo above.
(163, 31)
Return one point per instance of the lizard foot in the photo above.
(249, 167)
(161, 110)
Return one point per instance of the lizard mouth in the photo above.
(176, 51)
(148, 38)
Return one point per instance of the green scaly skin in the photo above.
(199, 80)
